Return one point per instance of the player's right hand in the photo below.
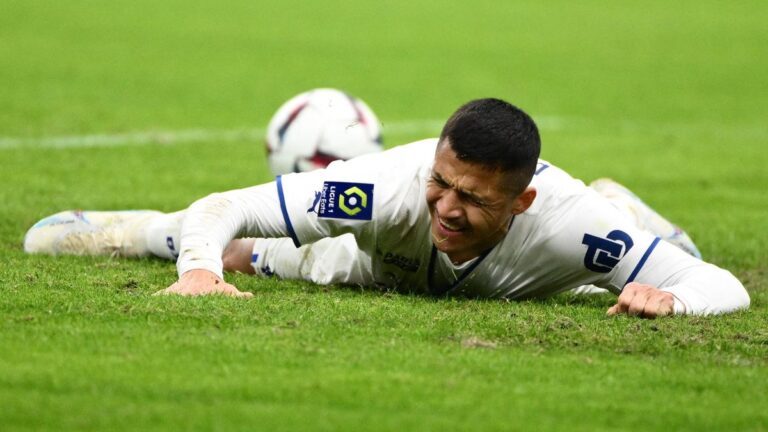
(202, 282)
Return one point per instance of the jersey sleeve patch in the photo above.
(342, 200)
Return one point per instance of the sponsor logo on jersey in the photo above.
(313, 207)
(405, 263)
(604, 253)
(341, 200)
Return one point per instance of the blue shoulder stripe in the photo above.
(643, 260)
(284, 210)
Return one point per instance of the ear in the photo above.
(524, 200)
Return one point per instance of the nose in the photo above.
(448, 205)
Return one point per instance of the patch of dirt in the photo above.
(476, 342)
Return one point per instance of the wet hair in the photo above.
(497, 135)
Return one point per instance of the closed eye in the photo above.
(479, 202)
(436, 179)
(467, 197)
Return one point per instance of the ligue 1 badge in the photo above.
(341, 200)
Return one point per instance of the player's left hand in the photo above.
(643, 300)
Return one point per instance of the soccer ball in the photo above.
(318, 127)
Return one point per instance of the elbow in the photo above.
(719, 293)
(215, 203)
(743, 296)
(738, 298)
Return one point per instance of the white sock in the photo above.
(327, 261)
(277, 256)
(164, 235)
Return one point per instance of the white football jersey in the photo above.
(570, 236)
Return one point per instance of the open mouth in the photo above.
(447, 226)
(447, 229)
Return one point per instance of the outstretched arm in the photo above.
(653, 277)
(212, 223)
(673, 282)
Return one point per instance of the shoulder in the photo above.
(565, 211)
(388, 169)
(414, 154)
(556, 190)
(391, 169)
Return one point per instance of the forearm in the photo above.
(212, 222)
(708, 290)
(700, 288)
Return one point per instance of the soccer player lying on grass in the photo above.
(474, 213)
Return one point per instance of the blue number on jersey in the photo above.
(604, 253)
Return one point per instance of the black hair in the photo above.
(497, 135)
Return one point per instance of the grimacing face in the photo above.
(470, 207)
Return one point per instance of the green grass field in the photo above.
(670, 98)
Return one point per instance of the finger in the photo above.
(165, 291)
(639, 301)
(653, 307)
(658, 304)
(666, 306)
(613, 310)
(232, 291)
(625, 299)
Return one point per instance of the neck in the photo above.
(458, 259)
